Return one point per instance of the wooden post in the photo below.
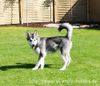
(54, 11)
(20, 16)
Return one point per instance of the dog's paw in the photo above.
(62, 69)
(34, 68)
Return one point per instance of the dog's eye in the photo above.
(30, 40)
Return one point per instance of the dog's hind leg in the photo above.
(65, 63)
(69, 58)
(66, 58)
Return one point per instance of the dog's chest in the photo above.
(37, 50)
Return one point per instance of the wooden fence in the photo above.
(36, 11)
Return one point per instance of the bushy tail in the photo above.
(69, 29)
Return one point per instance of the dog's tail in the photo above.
(69, 29)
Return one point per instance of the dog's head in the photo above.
(33, 39)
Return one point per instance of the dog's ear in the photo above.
(28, 35)
(36, 34)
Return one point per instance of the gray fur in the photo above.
(50, 44)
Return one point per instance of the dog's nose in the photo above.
(32, 46)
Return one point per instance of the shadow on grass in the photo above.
(21, 65)
(94, 28)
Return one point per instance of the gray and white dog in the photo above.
(45, 44)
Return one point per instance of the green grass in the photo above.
(17, 59)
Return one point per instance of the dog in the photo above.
(43, 45)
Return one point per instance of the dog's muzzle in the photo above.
(33, 46)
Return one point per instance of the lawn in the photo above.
(17, 59)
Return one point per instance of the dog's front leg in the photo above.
(40, 62)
